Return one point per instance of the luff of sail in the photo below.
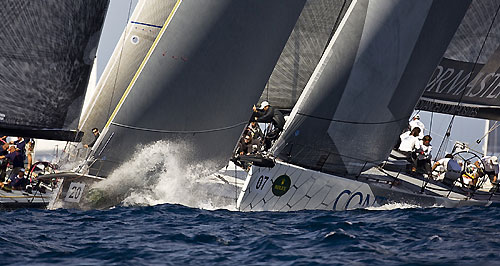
(367, 83)
(303, 50)
(466, 82)
(46, 55)
(200, 79)
(144, 25)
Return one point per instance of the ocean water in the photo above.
(170, 234)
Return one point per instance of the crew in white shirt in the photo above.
(424, 154)
(491, 167)
(415, 122)
(410, 142)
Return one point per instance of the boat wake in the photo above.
(397, 206)
(159, 173)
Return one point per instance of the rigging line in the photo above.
(180, 132)
(470, 76)
(354, 122)
(492, 128)
(328, 152)
(119, 60)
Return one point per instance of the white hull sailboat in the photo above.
(333, 149)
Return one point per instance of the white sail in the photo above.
(136, 40)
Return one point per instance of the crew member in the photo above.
(16, 159)
(415, 122)
(96, 133)
(424, 155)
(448, 169)
(491, 169)
(269, 114)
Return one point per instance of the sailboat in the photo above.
(357, 102)
(208, 64)
(46, 60)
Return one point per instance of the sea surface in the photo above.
(170, 234)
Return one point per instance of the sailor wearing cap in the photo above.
(269, 114)
(415, 122)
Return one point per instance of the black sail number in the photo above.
(261, 182)
(76, 192)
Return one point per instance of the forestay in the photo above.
(46, 55)
(367, 83)
(198, 83)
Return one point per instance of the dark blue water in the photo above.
(177, 235)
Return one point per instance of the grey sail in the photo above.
(46, 53)
(144, 25)
(302, 52)
(466, 82)
(367, 83)
(207, 67)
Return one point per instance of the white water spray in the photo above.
(396, 206)
(160, 173)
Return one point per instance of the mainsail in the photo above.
(363, 91)
(197, 84)
(303, 50)
(46, 54)
(467, 81)
(144, 25)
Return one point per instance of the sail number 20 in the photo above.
(75, 192)
(261, 182)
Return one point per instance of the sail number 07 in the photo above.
(261, 182)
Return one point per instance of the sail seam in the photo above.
(180, 132)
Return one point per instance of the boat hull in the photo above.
(17, 199)
(287, 187)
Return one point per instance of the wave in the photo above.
(159, 173)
